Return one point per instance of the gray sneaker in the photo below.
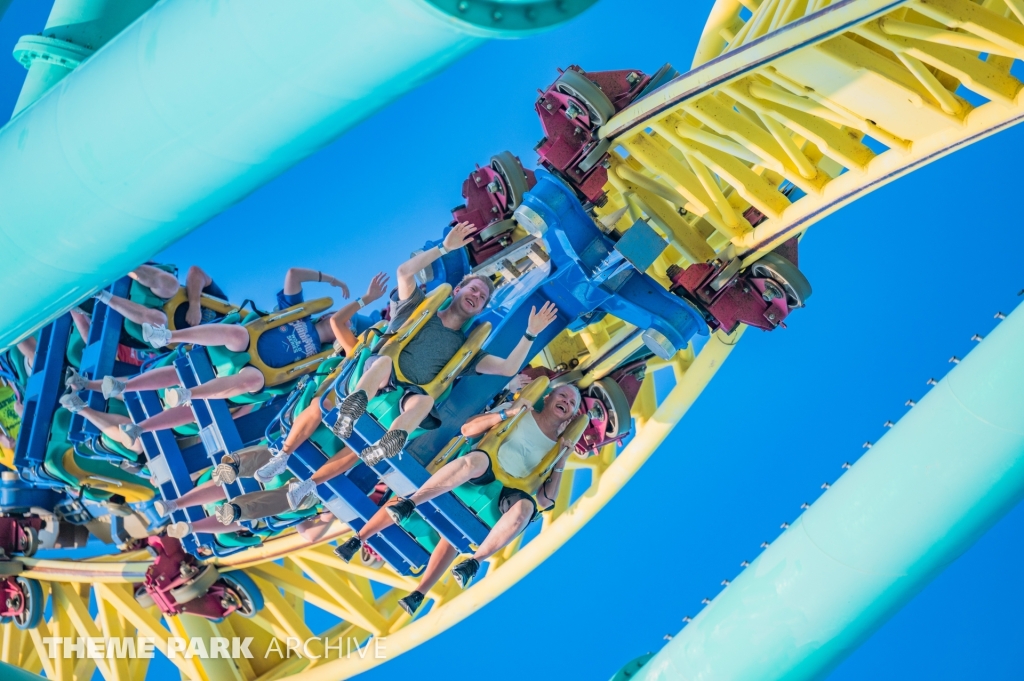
(74, 380)
(388, 446)
(177, 397)
(353, 407)
(73, 402)
(132, 430)
(111, 387)
(277, 465)
(155, 335)
(297, 491)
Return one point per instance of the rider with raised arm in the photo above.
(278, 347)
(440, 338)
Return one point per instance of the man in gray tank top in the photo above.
(428, 352)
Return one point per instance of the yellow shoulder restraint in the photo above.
(131, 491)
(209, 302)
(272, 376)
(496, 436)
(423, 312)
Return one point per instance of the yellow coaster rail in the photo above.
(836, 99)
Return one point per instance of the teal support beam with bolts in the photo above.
(192, 107)
(74, 30)
(917, 500)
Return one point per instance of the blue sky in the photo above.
(902, 280)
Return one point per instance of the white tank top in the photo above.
(524, 448)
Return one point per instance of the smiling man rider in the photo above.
(428, 352)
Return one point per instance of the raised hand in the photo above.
(338, 283)
(378, 286)
(460, 235)
(518, 382)
(541, 320)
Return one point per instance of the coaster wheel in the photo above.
(250, 599)
(785, 274)
(198, 587)
(512, 175)
(578, 86)
(32, 604)
(616, 404)
(31, 543)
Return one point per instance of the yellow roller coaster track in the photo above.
(834, 98)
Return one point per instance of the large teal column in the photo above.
(951, 468)
(192, 107)
(74, 30)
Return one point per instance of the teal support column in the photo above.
(951, 468)
(74, 30)
(12, 673)
(194, 106)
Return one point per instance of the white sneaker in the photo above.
(227, 513)
(297, 491)
(277, 465)
(177, 397)
(112, 387)
(160, 506)
(225, 474)
(132, 430)
(155, 335)
(73, 402)
(179, 530)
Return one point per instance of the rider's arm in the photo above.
(548, 491)
(510, 366)
(460, 235)
(296, 276)
(195, 281)
(340, 319)
(480, 424)
(339, 325)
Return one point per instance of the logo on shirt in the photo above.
(300, 341)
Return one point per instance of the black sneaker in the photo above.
(465, 571)
(385, 448)
(411, 603)
(400, 510)
(348, 549)
(349, 412)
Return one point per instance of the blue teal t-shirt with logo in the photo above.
(291, 342)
